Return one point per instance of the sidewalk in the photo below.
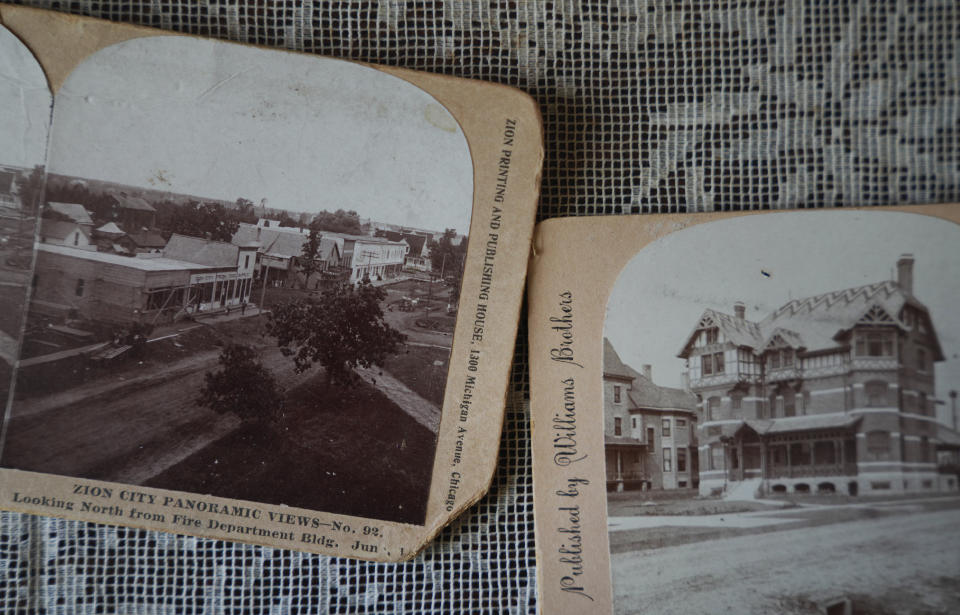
(410, 402)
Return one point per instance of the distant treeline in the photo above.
(186, 214)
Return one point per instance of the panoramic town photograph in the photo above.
(781, 427)
(242, 298)
(26, 100)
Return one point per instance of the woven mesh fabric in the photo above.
(649, 106)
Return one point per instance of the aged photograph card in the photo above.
(254, 295)
(747, 412)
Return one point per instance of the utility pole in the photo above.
(263, 289)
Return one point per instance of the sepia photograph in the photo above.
(247, 278)
(780, 418)
(24, 123)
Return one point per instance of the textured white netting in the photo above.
(648, 106)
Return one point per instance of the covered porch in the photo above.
(626, 464)
(779, 451)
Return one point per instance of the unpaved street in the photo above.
(126, 430)
(913, 558)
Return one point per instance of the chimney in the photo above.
(740, 310)
(648, 372)
(905, 273)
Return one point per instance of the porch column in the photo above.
(763, 459)
(740, 470)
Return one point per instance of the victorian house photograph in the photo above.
(833, 393)
(650, 437)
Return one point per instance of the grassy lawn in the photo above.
(414, 366)
(348, 451)
(640, 506)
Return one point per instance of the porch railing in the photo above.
(839, 469)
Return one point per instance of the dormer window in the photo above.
(713, 335)
(781, 358)
(874, 344)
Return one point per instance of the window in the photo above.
(878, 443)
(775, 359)
(875, 344)
(787, 355)
(713, 335)
(925, 449)
(716, 457)
(617, 426)
(246, 262)
(789, 404)
(921, 360)
(651, 436)
(736, 401)
(633, 422)
(667, 460)
(876, 392)
(76, 238)
(805, 402)
(665, 430)
(616, 393)
(922, 403)
(79, 289)
(712, 363)
(681, 460)
(713, 409)
(681, 423)
(774, 406)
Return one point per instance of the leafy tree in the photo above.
(242, 386)
(287, 221)
(342, 329)
(445, 256)
(245, 211)
(197, 219)
(339, 221)
(31, 187)
(309, 260)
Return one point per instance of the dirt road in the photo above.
(910, 562)
(126, 430)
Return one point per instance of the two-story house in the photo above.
(649, 430)
(831, 393)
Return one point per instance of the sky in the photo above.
(227, 121)
(765, 261)
(25, 103)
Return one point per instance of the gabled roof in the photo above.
(645, 395)
(331, 248)
(57, 229)
(110, 228)
(740, 331)
(817, 322)
(75, 211)
(201, 251)
(612, 365)
(416, 242)
(148, 239)
(286, 245)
